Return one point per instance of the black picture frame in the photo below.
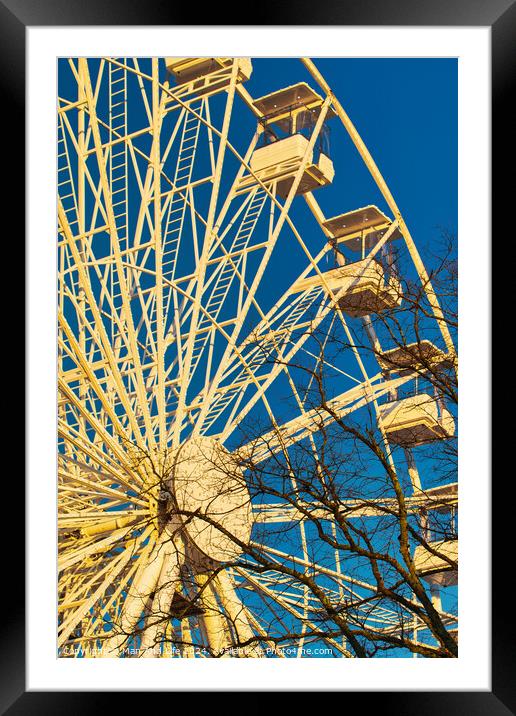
(500, 15)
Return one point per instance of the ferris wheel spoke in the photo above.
(313, 420)
(108, 574)
(227, 262)
(237, 615)
(76, 610)
(218, 279)
(157, 114)
(350, 583)
(86, 406)
(125, 308)
(350, 508)
(82, 478)
(291, 609)
(354, 588)
(266, 344)
(100, 328)
(66, 183)
(97, 523)
(201, 267)
(78, 445)
(272, 239)
(217, 234)
(151, 381)
(74, 484)
(158, 615)
(97, 546)
(113, 444)
(243, 374)
(139, 594)
(151, 307)
(359, 612)
(176, 203)
(81, 151)
(215, 625)
(79, 448)
(269, 351)
(109, 607)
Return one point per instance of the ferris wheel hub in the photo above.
(208, 482)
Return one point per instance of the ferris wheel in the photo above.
(190, 291)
